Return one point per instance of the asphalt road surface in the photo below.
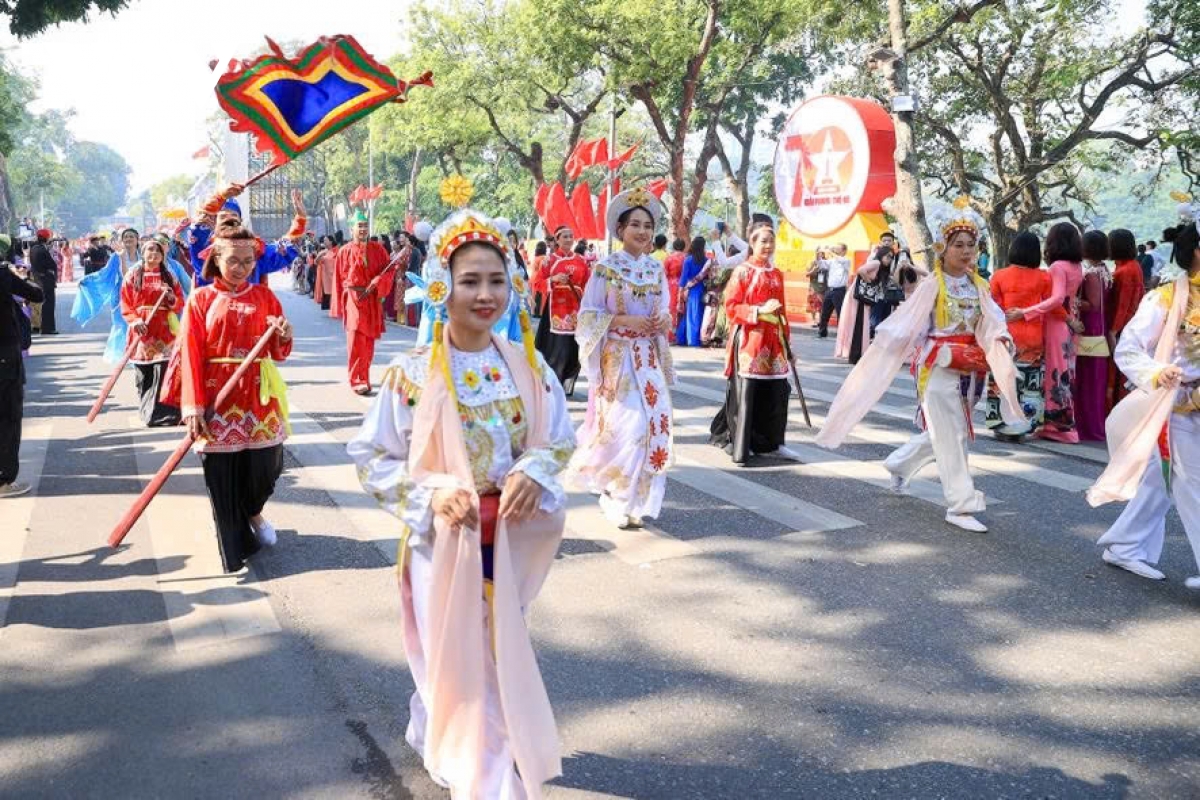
(784, 630)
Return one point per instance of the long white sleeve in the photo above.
(1135, 349)
(380, 453)
(741, 249)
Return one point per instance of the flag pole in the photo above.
(107, 388)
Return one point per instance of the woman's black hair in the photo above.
(386, 241)
(1095, 245)
(908, 274)
(697, 250)
(539, 249)
(1025, 250)
(164, 271)
(679, 245)
(1122, 246)
(1063, 243)
(131, 230)
(581, 247)
(1185, 242)
(660, 241)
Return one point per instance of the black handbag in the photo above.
(893, 295)
(869, 292)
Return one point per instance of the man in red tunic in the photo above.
(361, 281)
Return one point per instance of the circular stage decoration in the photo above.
(834, 159)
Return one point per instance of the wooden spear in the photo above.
(107, 388)
(156, 483)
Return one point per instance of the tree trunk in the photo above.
(8, 219)
(909, 207)
(413, 174)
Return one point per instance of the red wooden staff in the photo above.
(107, 388)
(156, 483)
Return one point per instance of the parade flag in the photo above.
(586, 154)
(615, 164)
(292, 104)
(203, 152)
(657, 187)
(585, 215)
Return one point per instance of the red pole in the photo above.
(107, 388)
(156, 483)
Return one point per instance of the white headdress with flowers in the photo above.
(1189, 214)
(434, 285)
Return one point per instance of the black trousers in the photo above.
(12, 402)
(857, 345)
(831, 303)
(239, 485)
(148, 379)
(561, 352)
(48, 285)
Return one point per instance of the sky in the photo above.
(140, 82)
(111, 69)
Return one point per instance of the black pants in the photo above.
(12, 402)
(239, 485)
(754, 417)
(831, 303)
(857, 345)
(148, 379)
(48, 285)
(561, 352)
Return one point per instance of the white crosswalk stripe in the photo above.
(18, 511)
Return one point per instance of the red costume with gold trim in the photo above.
(360, 305)
(760, 350)
(220, 326)
(564, 298)
(136, 303)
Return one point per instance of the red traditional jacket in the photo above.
(1127, 291)
(136, 304)
(760, 351)
(356, 266)
(220, 326)
(564, 299)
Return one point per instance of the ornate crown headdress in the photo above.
(434, 285)
(960, 217)
(633, 198)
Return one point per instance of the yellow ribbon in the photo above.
(173, 323)
(270, 384)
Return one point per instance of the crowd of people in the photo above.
(469, 444)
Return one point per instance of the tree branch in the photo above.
(958, 16)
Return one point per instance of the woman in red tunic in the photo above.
(754, 417)
(141, 289)
(241, 444)
(562, 282)
(1128, 289)
(673, 267)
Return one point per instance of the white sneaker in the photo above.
(1133, 565)
(13, 489)
(966, 522)
(786, 452)
(264, 532)
(1192, 583)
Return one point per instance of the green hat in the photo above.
(358, 217)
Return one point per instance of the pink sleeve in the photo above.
(1058, 293)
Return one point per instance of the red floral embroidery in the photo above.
(637, 357)
(653, 430)
(664, 424)
(658, 459)
(652, 357)
(651, 394)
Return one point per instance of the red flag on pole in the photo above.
(539, 200)
(203, 152)
(558, 210)
(586, 154)
(623, 159)
(585, 215)
(657, 187)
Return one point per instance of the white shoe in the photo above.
(13, 489)
(1133, 565)
(1192, 583)
(786, 452)
(265, 533)
(899, 484)
(966, 522)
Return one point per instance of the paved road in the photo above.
(785, 630)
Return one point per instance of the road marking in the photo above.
(35, 441)
(635, 546)
(204, 606)
(327, 467)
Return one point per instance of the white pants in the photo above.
(1138, 533)
(945, 441)
(501, 781)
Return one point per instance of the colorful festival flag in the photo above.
(292, 104)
